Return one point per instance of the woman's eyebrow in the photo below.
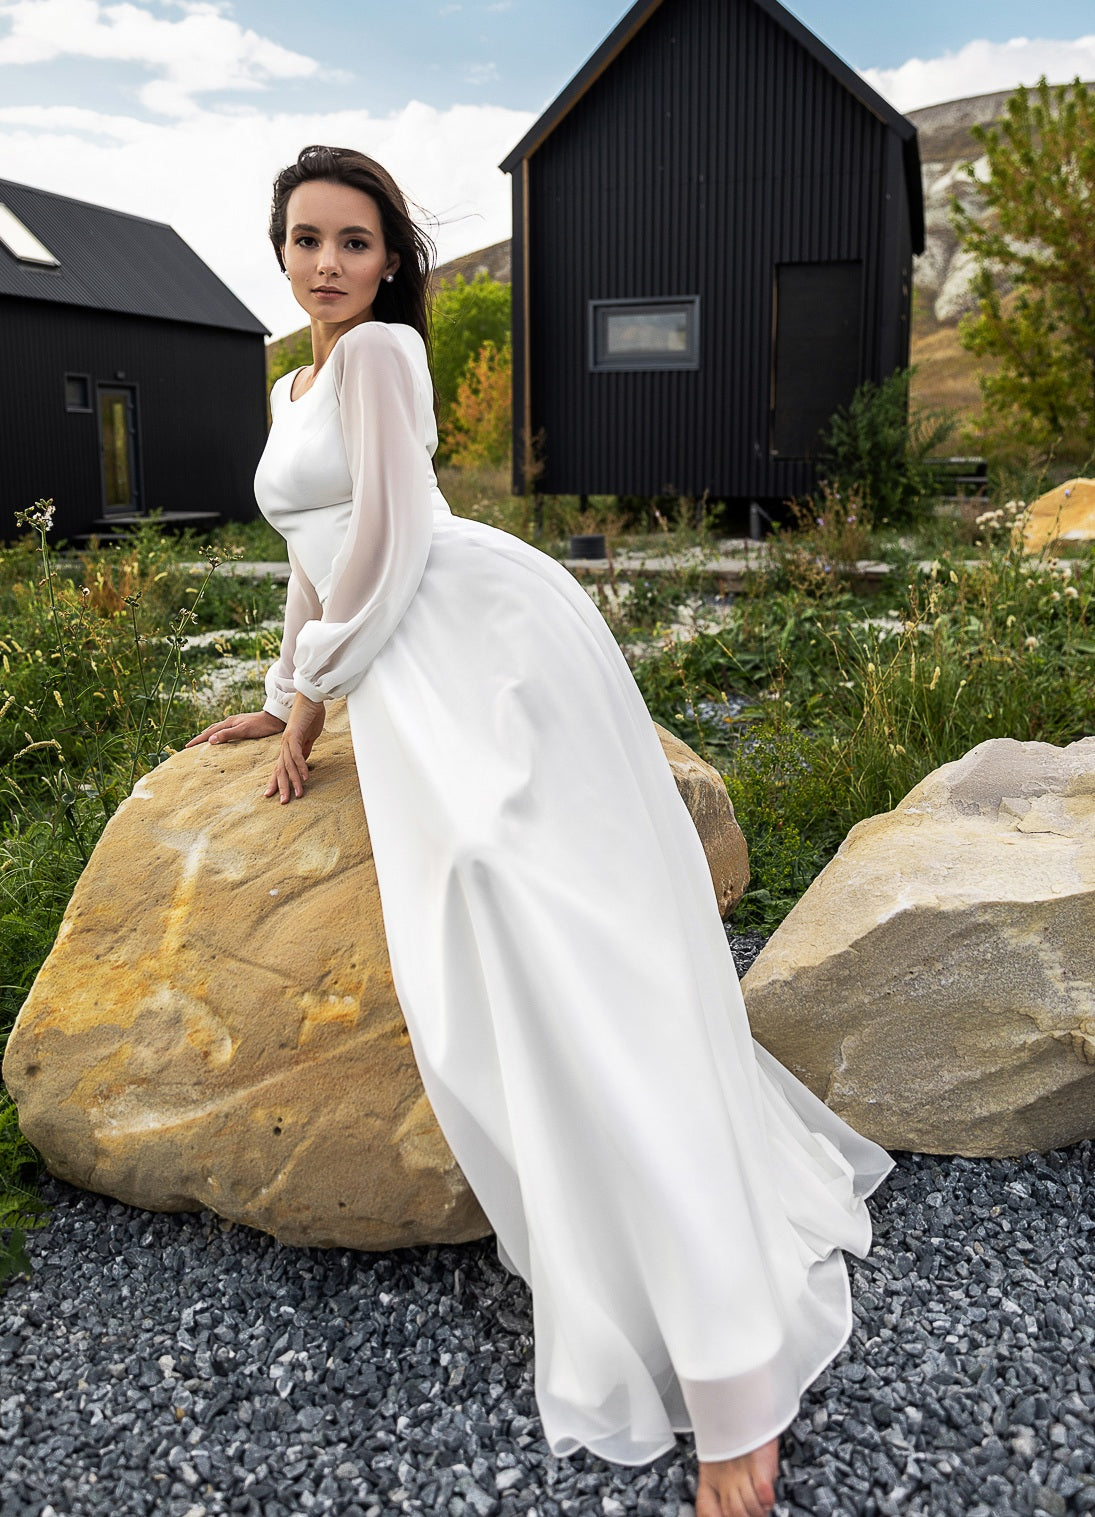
(304, 226)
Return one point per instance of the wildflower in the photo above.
(40, 516)
(57, 698)
(935, 677)
(1030, 642)
(870, 668)
(1072, 592)
(1010, 621)
(954, 578)
(1055, 595)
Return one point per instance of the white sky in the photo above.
(183, 110)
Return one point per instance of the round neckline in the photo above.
(296, 399)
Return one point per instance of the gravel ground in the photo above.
(177, 1364)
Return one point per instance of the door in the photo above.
(816, 362)
(118, 448)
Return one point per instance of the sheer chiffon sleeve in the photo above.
(302, 605)
(379, 565)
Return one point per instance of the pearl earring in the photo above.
(388, 278)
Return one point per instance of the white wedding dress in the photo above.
(675, 1199)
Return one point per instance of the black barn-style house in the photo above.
(133, 379)
(713, 230)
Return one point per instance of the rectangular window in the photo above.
(644, 334)
(77, 392)
(816, 341)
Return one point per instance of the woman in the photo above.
(676, 1200)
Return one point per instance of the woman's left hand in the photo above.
(301, 730)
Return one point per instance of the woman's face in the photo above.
(334, 252)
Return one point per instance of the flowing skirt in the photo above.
(675, 1199)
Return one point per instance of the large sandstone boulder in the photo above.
(216, 1024)
(1063, 515)
(936, 983)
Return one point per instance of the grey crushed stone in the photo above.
(176, 1364)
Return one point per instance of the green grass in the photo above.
(851, 702)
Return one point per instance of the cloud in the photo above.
(203, 51)
(981, 68)
(481, 73)
(209, 175)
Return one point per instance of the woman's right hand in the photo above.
(235, 729)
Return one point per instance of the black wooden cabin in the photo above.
(132, 381)
(713, 230)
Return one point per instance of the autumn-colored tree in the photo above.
(479, 427)
(465, 315)
(1034, 247)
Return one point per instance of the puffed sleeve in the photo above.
(301, 605)
(379, 565)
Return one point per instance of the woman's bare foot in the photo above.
(741, 1487)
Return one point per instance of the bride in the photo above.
(675, 1199)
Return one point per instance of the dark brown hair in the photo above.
(406, 299)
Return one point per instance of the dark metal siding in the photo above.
(712, 149)
(114, 262)
(201, 408)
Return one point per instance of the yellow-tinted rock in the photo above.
(936, 983)
(217, 1025)
(1063, 515)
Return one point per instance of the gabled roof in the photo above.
(110, 261)
(637, 17)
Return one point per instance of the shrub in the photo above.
(876, 446)
(480, 425)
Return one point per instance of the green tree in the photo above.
(1034, 248)
(465, 316)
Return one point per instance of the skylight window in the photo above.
(21, 242)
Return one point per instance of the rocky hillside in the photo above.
(946, 375)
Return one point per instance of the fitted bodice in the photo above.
(303, 483)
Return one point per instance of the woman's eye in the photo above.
(304, 241)
(357, 245)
